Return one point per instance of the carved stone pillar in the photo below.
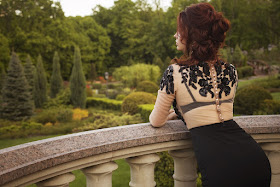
(142, 170)
(58, 181)
(100, 175)
(273, 153)
(185, 172)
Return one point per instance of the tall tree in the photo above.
(29, 70)
(78, 82)
(40, 84)
(16, 99)
(56, 79)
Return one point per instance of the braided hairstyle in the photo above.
(204, 31)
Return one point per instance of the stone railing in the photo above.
(49, 162)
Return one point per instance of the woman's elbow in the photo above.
(156, 123)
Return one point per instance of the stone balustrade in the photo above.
(50, 162)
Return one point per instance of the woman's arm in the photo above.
(166, 95)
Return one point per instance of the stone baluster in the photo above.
(185, 172)
(273, 153)
(100, 175)
(142, 170)
(58, 181)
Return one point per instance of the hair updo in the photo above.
(204, 31)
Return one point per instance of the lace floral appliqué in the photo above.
(193, 74)
(167, 80)
(200, 74)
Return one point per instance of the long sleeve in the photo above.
(166, 96)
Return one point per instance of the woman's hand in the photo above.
(172, 115)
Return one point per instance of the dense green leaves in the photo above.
(127, 33)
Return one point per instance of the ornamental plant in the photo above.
(56, 79)
(78, 82)
(16, 98)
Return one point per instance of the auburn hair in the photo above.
(204, 30)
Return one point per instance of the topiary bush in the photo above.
(131, 102)
(145, 111)
(249, 99)
(120, 97)
(245, 71)
(147, 86)
(269, 107)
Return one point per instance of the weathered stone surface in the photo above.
(25, 159)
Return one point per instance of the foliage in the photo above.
(164, 170)
(237, 57)
(131, 102)
(132, 75)
(103, 120)
(147, 86)
(61, 99)
(245, 71)
(29, 71)
(269, 107)
(96, 86)
(56, 79)
(145, 111)
(40, 84)
(120, 97)
(16, 99)
(249, 99)
(78, 82)
(104, 103)
(78, 114)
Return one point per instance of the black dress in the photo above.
(224, 156)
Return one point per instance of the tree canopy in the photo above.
(128, 32)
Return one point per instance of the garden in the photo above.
(61, 75)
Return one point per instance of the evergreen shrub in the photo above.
(96, 86)
(89, 92)
(111, 93)
(104, 103)
(64, 115)
(105, 120)
(120, 97)
(164, 170)
(145, 111)
(245, 71)
(131, 102)
(249, 99)
(61, 99)
(269, 107)
(147, 86)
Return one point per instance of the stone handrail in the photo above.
(49, 162)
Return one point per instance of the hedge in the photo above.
(145, 111)
(104, 103)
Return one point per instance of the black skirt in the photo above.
(229, 157)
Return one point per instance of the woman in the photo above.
(202, 88)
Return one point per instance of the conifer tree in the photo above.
(56, 79)
(78, 82)
(237, 56)
(40, 84)
(16, 99)
(2, 79)
(29, 75)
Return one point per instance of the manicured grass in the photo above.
(244, 82)
(12, 142)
